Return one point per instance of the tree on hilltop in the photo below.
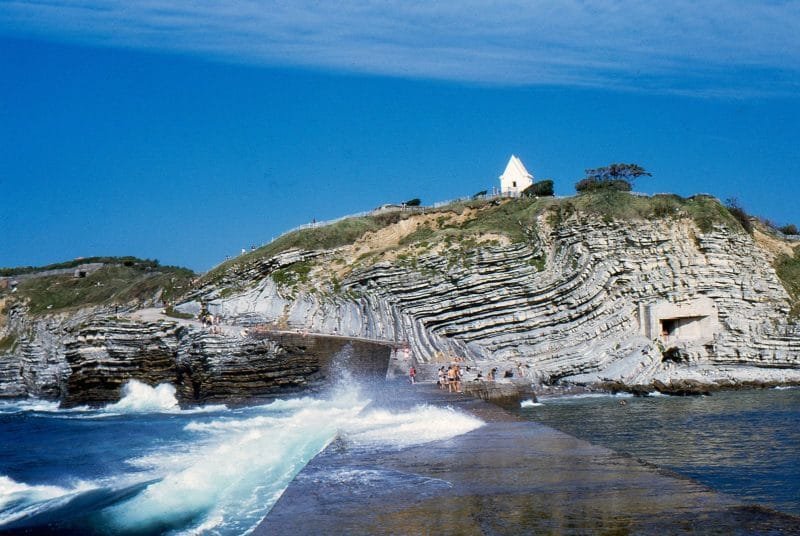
(612, 177)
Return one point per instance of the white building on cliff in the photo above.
(515, 178)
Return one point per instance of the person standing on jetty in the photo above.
(454, 379)
(412, 374)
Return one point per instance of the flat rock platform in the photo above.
(510, 476)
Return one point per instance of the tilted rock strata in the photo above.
(578, 319)
(37, 364)
(88, 363)
(106, 354)
(214, 368)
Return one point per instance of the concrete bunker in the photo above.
(693, 321)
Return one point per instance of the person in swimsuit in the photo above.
(451, 379)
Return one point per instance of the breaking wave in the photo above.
(215, 472)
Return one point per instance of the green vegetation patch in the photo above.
(174, 313)
(113, 284)
(292, 275)
(513, 218)
(324, 237)
(788, 270)
(8, 343)
(613, 205)
(125, 261)
(423, 234)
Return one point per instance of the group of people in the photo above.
(213, 323)
(450, 379)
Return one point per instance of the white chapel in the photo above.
(515, 178)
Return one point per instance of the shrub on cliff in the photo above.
(539, 189)
(8, 343)
(618, 177)
(594, 185)
(740, 214)
(790, 229)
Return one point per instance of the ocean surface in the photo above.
(743, 443)
(144, 466)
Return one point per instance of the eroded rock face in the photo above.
(578, 319)
(36, 365)
(89, 363)
(214, 368)
(107, 353)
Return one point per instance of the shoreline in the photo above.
(536, 392)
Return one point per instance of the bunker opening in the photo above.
(682, 327)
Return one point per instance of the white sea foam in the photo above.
(232, 424)
(422, 424)
(18, 500)
(237, 464)
(28, 405)
(566, 398)
(240, 465)
(230, 477)
(138, 397)
(529, 404)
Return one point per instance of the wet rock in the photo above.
(684, 387)
(503, 394)
(107, 353)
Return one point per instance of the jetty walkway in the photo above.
(510, 476)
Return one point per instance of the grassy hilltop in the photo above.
(120, 281)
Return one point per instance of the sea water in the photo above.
(743, 443)
(145, 466)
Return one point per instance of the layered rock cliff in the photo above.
(673, 296)
(87, 363)
(568, 301)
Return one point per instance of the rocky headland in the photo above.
(602, 291)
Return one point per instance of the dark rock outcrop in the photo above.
(506, 395)
(225, 369)
(86, 359)
(107, 353)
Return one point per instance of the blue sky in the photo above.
(186, 133)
